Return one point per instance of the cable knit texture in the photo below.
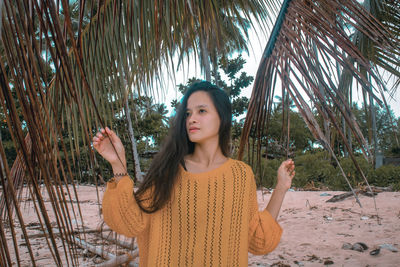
(212, 219)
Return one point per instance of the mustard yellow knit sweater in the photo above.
(212, 219)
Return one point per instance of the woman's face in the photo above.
(202, 119)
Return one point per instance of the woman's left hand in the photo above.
(285, 175)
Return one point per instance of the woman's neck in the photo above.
(205, 156)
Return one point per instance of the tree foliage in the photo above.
(387, 130)
(237, 81)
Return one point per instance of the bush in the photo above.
(387, 175)
(313, 167)
(353, 175)
(269, 170)
(394, 151)
(319, 168)
(309, 167)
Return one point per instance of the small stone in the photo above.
(325, 194)
(364, 218)
(359, 246)
(375, 252)
(347, 246)
(365, 247)
(328, 262)
(313, 258)
(389, 247)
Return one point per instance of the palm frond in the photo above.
(65, 72)
(306, 47)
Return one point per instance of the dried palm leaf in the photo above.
(307, 44)
(96, 50)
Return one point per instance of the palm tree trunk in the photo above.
(205, 55)
(344, 126)
(373, 121)
(1, 8)
(345, 152)
(339, 74)
(215, 67)
(135, 156)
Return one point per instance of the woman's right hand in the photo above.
(102, 143)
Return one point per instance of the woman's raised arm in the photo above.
(284, 181)
(120, 209)
(104, 142)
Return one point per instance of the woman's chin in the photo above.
(194, 140)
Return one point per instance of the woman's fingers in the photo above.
(289, 166)
(111, 134)
(288, 163)
(95, 140)
(104, 141)
(98, 138)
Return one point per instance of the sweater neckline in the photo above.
(220, 168)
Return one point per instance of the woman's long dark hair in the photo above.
(163, 171)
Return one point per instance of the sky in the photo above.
(257, 43)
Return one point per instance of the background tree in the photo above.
(300, 139)
(150, 123)
(386, 137)
(212, 43)
(237, 81)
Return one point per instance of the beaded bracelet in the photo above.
(120, 174)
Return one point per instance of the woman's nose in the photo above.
(192, 118)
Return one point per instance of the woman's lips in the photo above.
(194, 129)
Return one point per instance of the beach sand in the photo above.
(314, 231)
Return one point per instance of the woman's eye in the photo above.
(202, 110)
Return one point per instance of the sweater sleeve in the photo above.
(264, 231)
(120, 209)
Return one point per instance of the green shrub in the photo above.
(318, 167)
(353, 175)
(310, 166)
(313, 167)
(387, 175)
(269, 170)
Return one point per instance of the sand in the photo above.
(314, 230)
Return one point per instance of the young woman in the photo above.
(196, 206)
